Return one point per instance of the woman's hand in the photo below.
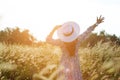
(100, 20)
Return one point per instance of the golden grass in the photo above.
(18, 62)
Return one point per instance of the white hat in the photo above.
(68, 32)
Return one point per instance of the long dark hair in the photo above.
(70, 47)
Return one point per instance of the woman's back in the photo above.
(69, 42)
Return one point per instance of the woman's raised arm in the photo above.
(87, 33)
(49, 38)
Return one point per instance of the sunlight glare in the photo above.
(41, 16)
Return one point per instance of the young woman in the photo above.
(69, 41)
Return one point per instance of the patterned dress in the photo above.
(70, 62)
(70, 58)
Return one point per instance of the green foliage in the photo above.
(94, 38)
(20, 62)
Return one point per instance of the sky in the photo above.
(41, 16)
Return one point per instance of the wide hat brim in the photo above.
(73, 36)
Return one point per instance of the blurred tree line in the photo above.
(16, 36)
(103, 37)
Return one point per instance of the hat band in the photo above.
(68, 34)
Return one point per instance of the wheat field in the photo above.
(20, 62)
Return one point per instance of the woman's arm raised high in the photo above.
(87, 33)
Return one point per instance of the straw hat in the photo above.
(68, 32)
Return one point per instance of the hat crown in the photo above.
(68, 30)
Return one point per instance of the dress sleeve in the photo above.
(50, 40)
(86, 34)
(56, 42)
